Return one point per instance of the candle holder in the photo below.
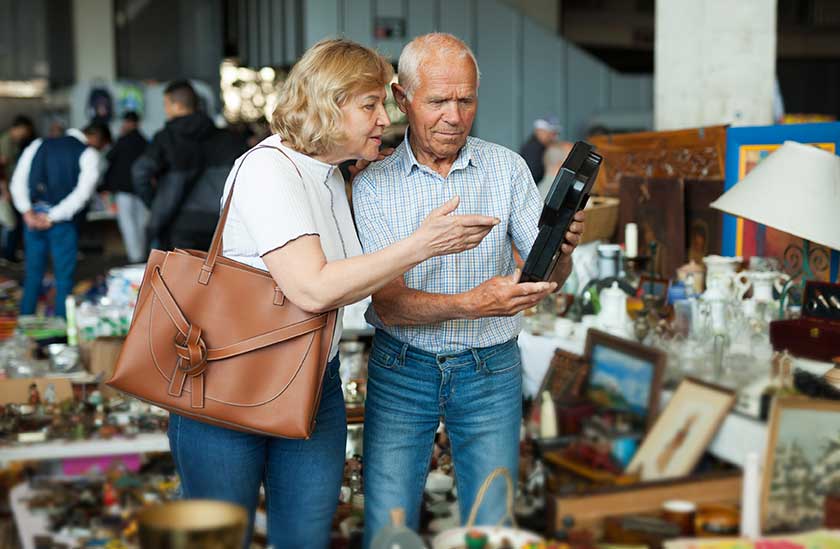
(634, 268)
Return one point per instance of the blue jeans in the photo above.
(302, 478)
(478, 395)
(61, 243)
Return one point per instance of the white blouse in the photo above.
(273, 205)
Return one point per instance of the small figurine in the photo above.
(34, 395)
(49, 394)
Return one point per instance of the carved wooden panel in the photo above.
(698, 153)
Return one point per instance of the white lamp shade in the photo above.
(796, 189)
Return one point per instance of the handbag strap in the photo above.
(216, 244)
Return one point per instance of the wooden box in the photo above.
(601, 219)
(590, 509)
(816, 334)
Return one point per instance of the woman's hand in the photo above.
(361, 164)
(442, 234)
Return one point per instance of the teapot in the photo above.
(613, 316)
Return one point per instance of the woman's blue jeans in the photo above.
(302, 478)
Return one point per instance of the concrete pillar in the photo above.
(715, 62)
(93, 31)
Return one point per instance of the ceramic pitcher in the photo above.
(762, 283)
(721, 273)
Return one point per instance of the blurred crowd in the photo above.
(166, 190)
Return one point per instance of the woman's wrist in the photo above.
(416, 248)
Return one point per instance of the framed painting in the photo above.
(745, 148)
(800, 467)
(624, 376)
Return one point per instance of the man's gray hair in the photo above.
(444, 45)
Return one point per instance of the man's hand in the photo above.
(37, 221)
(563, 268)
(44, 222)
(361, 164)
(505, 296)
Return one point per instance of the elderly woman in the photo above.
(290, 216)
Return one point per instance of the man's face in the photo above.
(443, 108)
(172, 109)
(364, 120)
(545, 137)
(127, 126)
(96, 140)
(20, 133)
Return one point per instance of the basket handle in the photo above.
(483, 490)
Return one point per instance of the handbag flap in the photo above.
(216, 308)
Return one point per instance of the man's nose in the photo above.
(452, 114)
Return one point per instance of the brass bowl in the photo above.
(192, 524)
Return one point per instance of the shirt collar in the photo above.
(73, 132)
(465, 157)
(318, 168)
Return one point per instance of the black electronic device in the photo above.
(568, 195)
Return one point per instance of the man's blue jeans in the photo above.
(478, 395)
(302, 478)
(61, 243)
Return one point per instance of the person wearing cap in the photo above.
(545, 133)
(132, 213)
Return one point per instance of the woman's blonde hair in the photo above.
(308, 114)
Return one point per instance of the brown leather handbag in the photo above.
(216, 340)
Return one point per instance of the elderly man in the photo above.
(445, 345)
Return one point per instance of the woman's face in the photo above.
(364, 121)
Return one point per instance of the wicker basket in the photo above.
(601, 219)
(454, 538)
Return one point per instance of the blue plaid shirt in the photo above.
(391, 199)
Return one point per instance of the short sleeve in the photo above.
(525, 208)
(270, 200)
(374, 233)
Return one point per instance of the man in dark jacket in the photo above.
(132, 213)
(181, 175)
(545, 133)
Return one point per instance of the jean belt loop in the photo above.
(479, 362)
(401, 358)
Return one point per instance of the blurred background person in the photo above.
(53, 182)
(12, 143)
(553, 157)
(545, 132)
(132, 213)
(182, 173)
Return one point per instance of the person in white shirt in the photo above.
(53, 181)
(289, 215)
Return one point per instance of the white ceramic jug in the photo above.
(762, 283)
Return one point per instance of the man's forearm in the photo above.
(408, 307)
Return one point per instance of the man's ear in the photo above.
(400, 97)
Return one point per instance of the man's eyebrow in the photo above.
(371, 96)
